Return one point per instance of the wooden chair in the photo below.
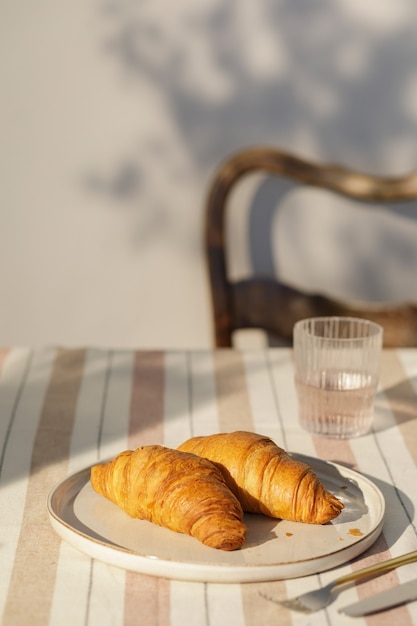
(266, 304)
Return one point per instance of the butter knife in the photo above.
(384, 600)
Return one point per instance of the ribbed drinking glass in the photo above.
(337, 365)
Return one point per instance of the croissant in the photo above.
(180, 491)
(266, 479)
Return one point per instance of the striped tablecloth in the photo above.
(63, 409)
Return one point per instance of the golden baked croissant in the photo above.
(180, 491)
(266, 479)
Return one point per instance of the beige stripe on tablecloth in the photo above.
(146, 597)
(33, 577)
(340, 451)
(235, 413)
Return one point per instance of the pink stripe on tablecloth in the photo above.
(147, 402)
(147, 599)
(340, 451)
(398, 616)
(233, 401)
(235, 413)
(3, 354)
(336, 450)
(33, 577)
(402, 399)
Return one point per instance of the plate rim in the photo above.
(128, 559)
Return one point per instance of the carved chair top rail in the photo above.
(229, 300)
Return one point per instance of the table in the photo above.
(63, 409)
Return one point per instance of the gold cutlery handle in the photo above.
(384, 566)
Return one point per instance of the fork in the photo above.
(320, 598)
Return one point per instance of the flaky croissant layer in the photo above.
(174, 489)
(265, 478)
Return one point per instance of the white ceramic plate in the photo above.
(274, 550)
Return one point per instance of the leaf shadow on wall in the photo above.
(321, 79)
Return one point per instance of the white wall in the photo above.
(113, 117)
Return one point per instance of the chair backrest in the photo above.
(265, 303)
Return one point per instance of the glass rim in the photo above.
(377, 329)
